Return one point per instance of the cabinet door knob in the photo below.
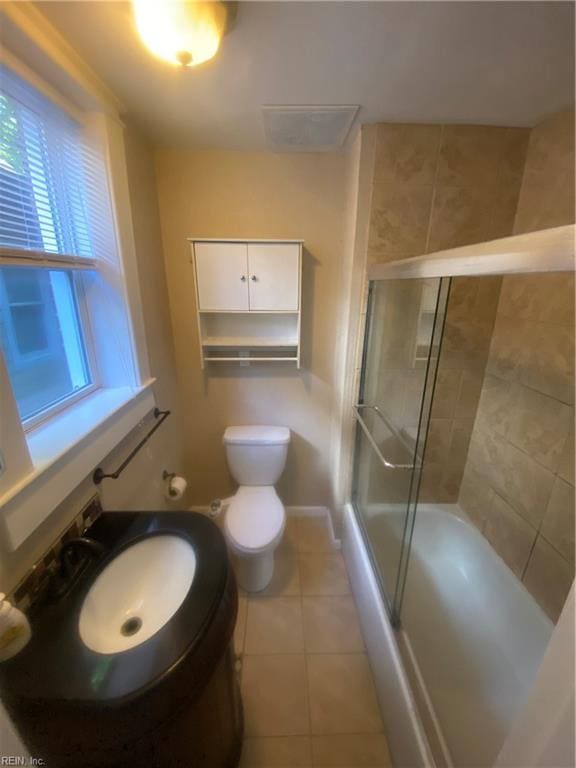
(243, 278)
(254, 278)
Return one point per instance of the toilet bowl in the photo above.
(255, 518)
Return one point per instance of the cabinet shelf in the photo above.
(251, 359)
(247, 341)
(248, 312)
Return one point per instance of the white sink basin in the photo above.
(137, 593)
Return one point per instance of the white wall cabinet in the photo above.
(274, 271)
(248, 299)
(222, 276)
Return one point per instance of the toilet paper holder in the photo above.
(175, 486)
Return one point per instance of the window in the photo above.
(47, 183)
(73, 364)
(42, 337)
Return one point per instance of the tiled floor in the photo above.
(309, 698)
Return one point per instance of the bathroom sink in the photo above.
(137, 593)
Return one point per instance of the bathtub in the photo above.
(471, 636)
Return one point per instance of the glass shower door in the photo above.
(399, 363)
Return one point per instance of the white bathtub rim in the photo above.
(407, 741)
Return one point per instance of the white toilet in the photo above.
(255, 518)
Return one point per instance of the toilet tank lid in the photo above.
(256, 436)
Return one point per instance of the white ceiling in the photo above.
(504, 63)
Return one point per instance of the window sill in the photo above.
(67, 449)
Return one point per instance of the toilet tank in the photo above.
(256, 455)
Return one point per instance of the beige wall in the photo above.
(519, 481)
(140, 486)
(258, 195)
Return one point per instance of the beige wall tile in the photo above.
(548, 577)
(274, 694)
(521, 481)
(460, 441)
(324, 575)
(399, 221)
(547, 194)
(471, 155)
(460, 216)
(488, 296)
(406, 154)
(313, 535)
(538, 425)
(503, 212)
(475, 496)
(510, 535)
(530, 380)
(547, 298)
(331, 625)
(274, 625)
(474, 298)
(549, 361)
(414, 385)
(496, 402)
(566, 465)
(540, 212)
(508, 348)
(468, 338)
(342, 695)
(551, 147)
(446, 393)
(431, 483)
(438, 440)
(557, 305)
(440, 482)
(451, 481)
(277, 752)
(463, 294)
(513, 160)
(558, 524)
(469, 395)
(366, 751)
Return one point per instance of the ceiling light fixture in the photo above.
(181, 32)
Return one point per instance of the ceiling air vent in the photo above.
(308, 129)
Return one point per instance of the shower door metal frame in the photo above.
(394, 606)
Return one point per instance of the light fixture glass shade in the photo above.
(184, 32)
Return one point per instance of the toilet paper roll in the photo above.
(175, 488)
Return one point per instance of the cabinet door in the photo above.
(222, 276)
(274, 274)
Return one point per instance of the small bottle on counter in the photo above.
(15, 629)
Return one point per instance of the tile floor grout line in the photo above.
(306, 676)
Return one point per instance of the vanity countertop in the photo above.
(57, 666)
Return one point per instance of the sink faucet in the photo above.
(70, 571)
(93, 546)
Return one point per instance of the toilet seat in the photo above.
(255, 519)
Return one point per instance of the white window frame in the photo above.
(46, 458)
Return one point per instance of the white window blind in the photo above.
(54, 200)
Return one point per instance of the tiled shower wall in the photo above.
(518, 485)
(439, 187)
